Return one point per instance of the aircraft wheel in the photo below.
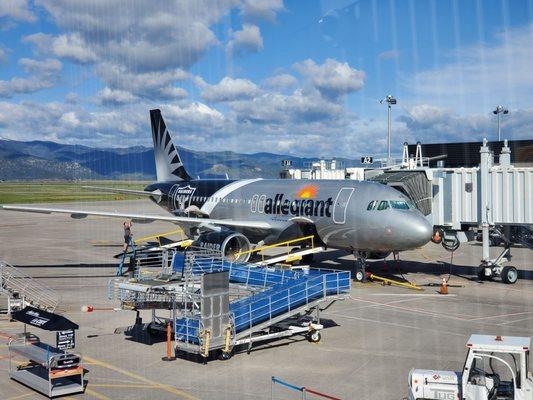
(225, 355)
(314, 337)
(481, 275)
(509, 275)
(359, 276)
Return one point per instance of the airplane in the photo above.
(368, 219)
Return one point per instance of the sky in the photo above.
(292, 77)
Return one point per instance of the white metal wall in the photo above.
(457, 196)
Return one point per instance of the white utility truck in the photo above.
(496, 368)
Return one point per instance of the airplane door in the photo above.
(340, 204)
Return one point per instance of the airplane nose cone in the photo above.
(413, 231)
(421, 231)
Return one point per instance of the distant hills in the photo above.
(49, 160)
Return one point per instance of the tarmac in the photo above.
(370, 343)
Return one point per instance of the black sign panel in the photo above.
(367, 160)
(43, 319)
(65, 340)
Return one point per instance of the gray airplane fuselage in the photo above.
(338, 212)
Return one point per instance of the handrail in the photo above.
(14, 280)
(287, 242)
(144, 238)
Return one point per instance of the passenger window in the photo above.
(371, 205)
(383, 205)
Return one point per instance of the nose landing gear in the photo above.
(359, 266)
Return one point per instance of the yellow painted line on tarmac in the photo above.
(166, 388)
(96, 394)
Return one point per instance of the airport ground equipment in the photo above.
(283, 307)
(22, 290)
(458, 201)
(47, 369)
(216, 305)
(496, 368)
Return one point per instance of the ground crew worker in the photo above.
(127, 233)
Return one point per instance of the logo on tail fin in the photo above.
(168, 163)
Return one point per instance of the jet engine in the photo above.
(229, 243)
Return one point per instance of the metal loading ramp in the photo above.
(286, 296)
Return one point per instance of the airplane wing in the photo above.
(78, 214)
(156, 194)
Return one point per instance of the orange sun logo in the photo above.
(307, 192)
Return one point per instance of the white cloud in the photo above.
(229, 89)
(281, 81)
(389, 55)
(71, 47)
(42, 74)
(261, 9)
(480, 76)
(69, 119)
(156, 84)
(108, 96)
(246, 40)
(41, 67)
(173, 92)
(431, 124)
(195, 115)
(18, 10)
(333, 78)
(279, 109)
(173, 34)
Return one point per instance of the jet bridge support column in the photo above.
(490, 268)
(484, 166)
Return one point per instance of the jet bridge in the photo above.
(456, 200)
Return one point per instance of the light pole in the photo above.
(500, 110)
(390, 101)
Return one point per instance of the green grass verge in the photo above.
(55, 192)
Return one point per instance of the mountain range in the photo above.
(55, 161)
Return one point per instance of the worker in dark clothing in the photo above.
(127, 234)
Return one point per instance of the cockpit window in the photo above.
(399, 205)
(383, 205)
(371, 205)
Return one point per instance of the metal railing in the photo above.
(273, 305)
(14, 281)
(287, 244)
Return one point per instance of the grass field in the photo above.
(55, 192)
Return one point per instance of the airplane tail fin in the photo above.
(168, 163)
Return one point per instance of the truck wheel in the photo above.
(314, 337)
(509, 275)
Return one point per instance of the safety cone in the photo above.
(443, 287)
(169, 356)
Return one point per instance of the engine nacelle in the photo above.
(227, 242)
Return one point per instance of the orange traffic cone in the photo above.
(443, 286)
